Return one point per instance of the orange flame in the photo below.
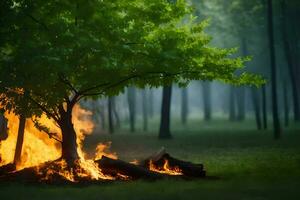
(38, 148)
(166, 169)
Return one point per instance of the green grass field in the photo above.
(250, 164)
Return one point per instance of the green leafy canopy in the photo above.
(61, 51)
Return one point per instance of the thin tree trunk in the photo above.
(286, 105)
(131, 105)
(232, 110)
(264, 107)
(150, 103)
(206, 91)
(145, 110)
(164, 131)
(20, 139)
(290, 63)
(115, 113)
(276, 122)
(241, 103)
(110, 115)
(184, 105)
(256, 107)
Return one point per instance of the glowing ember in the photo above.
(166, 169)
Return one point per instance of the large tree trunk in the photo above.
(276, 122)
(232, 110)
(145, 110)
(110, 115)
(206, 91)
(290, 62)
(184, 105)
(164, 131)
(20, 139)
(69, 144)
(131, 105)
(256, 107)
(264, 107)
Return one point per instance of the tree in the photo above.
(131, 95)
(206, 89)
(184, 105)
(145, 110)
(110, 115)
(164, 130)
(61, 52)
(276, 122)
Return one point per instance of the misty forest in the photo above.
(150, 99)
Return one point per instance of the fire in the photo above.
(102, 150)
(39, 148)
(166, 169)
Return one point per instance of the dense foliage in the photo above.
(56, 52)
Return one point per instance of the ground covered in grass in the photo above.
(250, 164)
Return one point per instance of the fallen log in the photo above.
(187, 168)
(114, 167)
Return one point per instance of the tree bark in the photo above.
(69, 144)
(206, 91)
(264, 107)
(145, 110)
(184, 105)
(276, 122)
(150, 103)
(232, 110)
(164, 131)
(131, 94)
(290, 63)
(286, 104)
(20, 139)
(110, 115)
(256, 107)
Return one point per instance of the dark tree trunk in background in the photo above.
(110, 115)
(115, 113)
(206, 91)
(150, 103)
(286, 104)
(20, 139)
(69, 144)
(264, 107)
(131, 105)
(184, 105)
(145, 110)
(289, 58)
(241, 103)
(276, 122)
(164, 131)
(241, 91)
(102, 116)
(256, 106)
(232, 110)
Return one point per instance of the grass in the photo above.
(251, 165)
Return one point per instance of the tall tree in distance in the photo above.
(164, 130)
(264, 107)
(110, 115)
(206, 92)
(131, 95)
(275, 114)
(184, 105)
(145, 109)
(290, 61)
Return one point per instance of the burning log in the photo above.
(162, 159)
(114, 167)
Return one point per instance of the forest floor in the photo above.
(250, 164)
